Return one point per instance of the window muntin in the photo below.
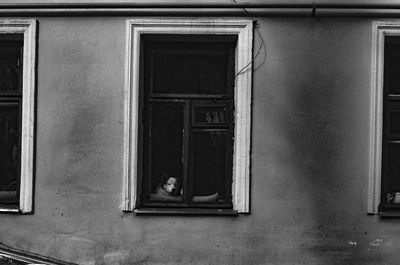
(188, 128)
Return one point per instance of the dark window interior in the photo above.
(209, 162)
(10, 116)
(165, 141)
(189, 70)
(187, 125)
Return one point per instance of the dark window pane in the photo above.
(186, 72)
(209, 165)
(392, 65)
(394, 122)
(393, 167)
(187, 67)
(10, 65)
(166, 138)
(9, 150)
(204, 115)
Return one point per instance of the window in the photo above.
(188, 115)
(17, 61)
(390, 191)
(187, 119)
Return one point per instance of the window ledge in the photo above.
(9, 208)
(185, 211)
(389, 210)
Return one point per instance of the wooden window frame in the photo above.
(26, 27)
(243, 29)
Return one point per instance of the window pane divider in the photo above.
(393, 141)
(393, 97)
(187, 186)
(6, 95)
(185, 211)
(189, 96)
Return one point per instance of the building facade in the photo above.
(310, 179)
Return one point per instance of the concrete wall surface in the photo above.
(309, 161)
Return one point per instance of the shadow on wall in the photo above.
(326, 124)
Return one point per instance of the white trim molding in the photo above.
(380, 29)
(27, 27)
(243, 29)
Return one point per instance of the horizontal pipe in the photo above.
(196, 4)
(202, 9)
(375, 13)
(153, 12)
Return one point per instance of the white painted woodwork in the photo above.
(243, 29)
(380, 29)
(27, 27)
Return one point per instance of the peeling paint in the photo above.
(352, 243)
(87, 262)
(117, 257)
(122, 205)
(80, 239)
(376, 243)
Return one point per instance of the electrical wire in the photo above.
(246, 68)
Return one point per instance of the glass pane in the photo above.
(10, 65)
(394, 122)
(9, 151)
(209, 165)
(188, 71)
(166, 138)
(393, 170)
(210, 115)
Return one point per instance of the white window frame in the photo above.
(380, 29)
(27, 27)
(243, 29)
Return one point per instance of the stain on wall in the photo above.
(309, 155)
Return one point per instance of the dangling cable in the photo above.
(262, 45)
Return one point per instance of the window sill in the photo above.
(185, 211)
(389, 210)
(9, 208)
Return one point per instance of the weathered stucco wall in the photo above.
(309, 164)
